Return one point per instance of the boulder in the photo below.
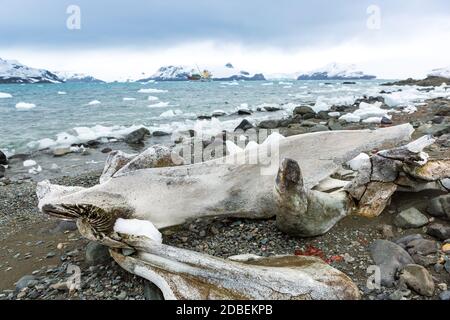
(390, 257)
(439, 231)
(440, 207)
(2, 171)
(97, 253)
(418, 279)
(403, 241)
(25, 282)
(318, 128)
(244, 125)
(244, 112)
(410, 218)
(269, 124)
(445, 295)
(3, 159)
(160, 133)
(303, 110)
(61, 151)
(137, 137)
(271, 109)
(423, 251)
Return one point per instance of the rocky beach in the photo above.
(409, 241)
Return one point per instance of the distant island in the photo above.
(335, 71)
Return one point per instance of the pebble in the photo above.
(417, 278)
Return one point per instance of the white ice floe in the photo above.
(29, 163)
(160, 104)
(140, 228)
(232, 148)
(94, 102)
(334, 114)
(25, 106)
(4, 95)
(267, 84)
(357, 162)
(152, 98)
(171, 113)
(129, 99)
(62, 92)
(373, 120)
(152, 90)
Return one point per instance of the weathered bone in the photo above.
(185, 274)
(227, 186)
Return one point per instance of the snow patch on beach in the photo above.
(25, 106)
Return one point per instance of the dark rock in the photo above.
(430, 81)
(65, 226)
(385, 120)
(244, 125)
(271, 109)
(319, 128)
(25, 282)
(422, 246)
(269, 124)
(152, 292)
(440, 207)
(323, 115)
(2, 171)
(439, 231)
(445, 295)
(348, 82)
(202, 117)
(106, 150)
(303, 110)
(243, 112)
(3, 159)
(403, 242)
(218, 114)
(96, 254)
(137, 137)
(160, 133)
(418, 279)
(390, 257)
(410, 218)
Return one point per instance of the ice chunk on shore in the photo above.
(357, 162)
(350, 117)
(232, 148)
(25, 106)
(140, 228)
(94, 102)
(29, 163)
(35, 170)
(4, 95)
(152, 90)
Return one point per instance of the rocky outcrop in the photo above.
(430, 81)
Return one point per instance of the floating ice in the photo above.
(129, 99)
(152, 98)
(161, 104)
(171, 113)
(4, 95)
(62, 92)
(25, 106)
(140, 228)
(94, 102)
(152, 90)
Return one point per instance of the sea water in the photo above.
(39, 116)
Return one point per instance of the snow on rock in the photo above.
(335, 71)
(441, 72)
(25, 106)
(73, 77)
(12, 71)
(4, 95)
(357, 162)
(139, 228)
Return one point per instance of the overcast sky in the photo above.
(121, 39)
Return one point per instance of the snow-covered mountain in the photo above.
(282, 76)
(226, 72)
(441, 72)
(72, 77)
(12, 71)
(335, 71)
